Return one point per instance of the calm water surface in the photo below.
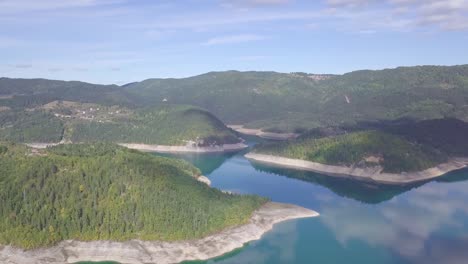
(357, 223)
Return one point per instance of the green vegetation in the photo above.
(447, 135)
(166, 125)
(30, 126)
(277, 102)
(368, 148)
(295, 102)
(70, 121)
(105, 192)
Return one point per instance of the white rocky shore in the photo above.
(185, 149)
(137, 251)
(164, 148)
(372, 174)
(260, 133)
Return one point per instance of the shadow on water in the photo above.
(206, 162)
(363, 192)
(454, 176)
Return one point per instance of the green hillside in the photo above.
(289, 102)
(274, 101)
(368, 148)
(105, 192)
(26, 93)
(84, 122)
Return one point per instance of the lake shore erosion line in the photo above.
(164, 148)
(262, 134)
(185, 149)
(138, 252)
(372, 174)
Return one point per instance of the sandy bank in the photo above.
(186, 149)
(163, 148)
(373, 174)
(41, 145)
(136, 251)
(263, 134)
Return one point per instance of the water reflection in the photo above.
(424, 225)
(278, 246)
(206, 162)
(363, 192)
(359, 223)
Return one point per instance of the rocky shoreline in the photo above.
(164, 148)
(263, 134)
(371, 174)
(139, 252)
(185, 149)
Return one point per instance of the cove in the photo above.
(358, 223)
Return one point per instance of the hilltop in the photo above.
(105, 192)
(272, 101)
(387, 153)
(362, 149)
(68, 121)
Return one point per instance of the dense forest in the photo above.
(71, 121)
(102, 191)
(297, 102)
(166, 125)
(30, 126)
(366, 148)
(277, 102)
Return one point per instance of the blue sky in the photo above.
(120, 41)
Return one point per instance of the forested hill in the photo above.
(106, 192)
(288, 102)
(68, 121)
(26, 93)
(275, 101)
(393, 153)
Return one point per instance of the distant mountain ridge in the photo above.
(277, 102)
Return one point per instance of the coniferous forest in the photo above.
(106, 192)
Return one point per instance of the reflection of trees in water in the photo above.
(455, 176)
(206, 162)
(363, 192)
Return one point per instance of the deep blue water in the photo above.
(357, 224)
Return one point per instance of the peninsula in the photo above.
(93, 202)
(372, 156)
(138, 251)
(163, 128)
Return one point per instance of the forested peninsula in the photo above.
(73, 122)
(110, 194)
(397, 154)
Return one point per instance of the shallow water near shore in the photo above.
(358, 223)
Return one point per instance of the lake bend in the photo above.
(358, 222)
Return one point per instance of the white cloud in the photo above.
(233, 39)
(404, 14)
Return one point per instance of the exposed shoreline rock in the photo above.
(185, 149)
(372, 174)
(138, 252)
(164, 148)
(204, 180)
(259, 133)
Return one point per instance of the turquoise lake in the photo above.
(358, 223)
